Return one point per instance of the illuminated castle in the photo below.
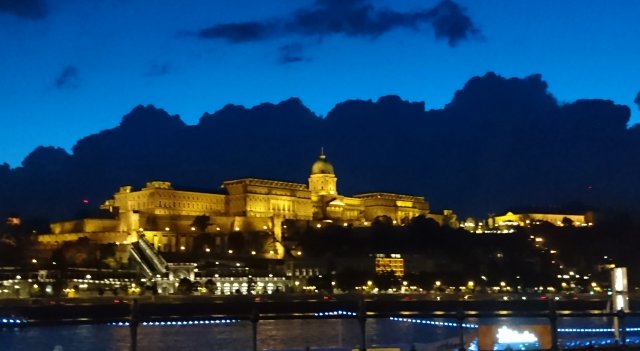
(171, 218)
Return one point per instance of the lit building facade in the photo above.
(390, 263)
(511, 219)
(171, 218)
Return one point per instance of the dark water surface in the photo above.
(320, 334)
(326, 334)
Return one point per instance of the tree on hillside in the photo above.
(185, 286)
(201, 223)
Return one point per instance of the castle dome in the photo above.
(322, 166)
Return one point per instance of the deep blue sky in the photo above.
(70, 68)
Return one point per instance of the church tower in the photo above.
(322, 180)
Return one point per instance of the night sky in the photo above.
(71, 68)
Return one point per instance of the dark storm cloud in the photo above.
(351, 18)
(157, 70)
(239, 32)
(33, 9)
(292, 53)
(68, 78)
(450, 22)
(503, 143)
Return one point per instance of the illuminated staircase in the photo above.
(148, 259)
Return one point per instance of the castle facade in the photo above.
(171, 218)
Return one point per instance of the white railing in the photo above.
(146, 269)
(155, 258)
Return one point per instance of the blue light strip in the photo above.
(335, 313)
(179, 323)
(469, 325)
(12, 322)
(588, 330)
(439, 324)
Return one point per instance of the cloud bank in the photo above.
(500, 143)
(30, 9)
(68, 78)
(351, 18)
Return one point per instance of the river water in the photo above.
(317, 334)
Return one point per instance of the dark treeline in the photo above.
(455, 255)
(499, 143)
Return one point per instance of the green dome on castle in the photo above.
(322, 166)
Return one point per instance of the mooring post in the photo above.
(553, 323)
(362, 321)
(134, 320)
(460, 316)
(621, 327)
(255, 318)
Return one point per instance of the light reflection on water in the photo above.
(318, 334)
